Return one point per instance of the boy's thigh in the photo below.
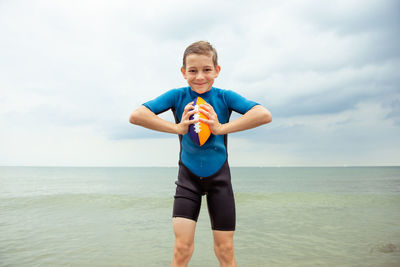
(187, 203)
(223, 237)
(184, 229)
(221, 208)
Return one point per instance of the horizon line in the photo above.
(232, 166)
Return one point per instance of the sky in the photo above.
(71, 73)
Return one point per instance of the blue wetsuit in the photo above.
(204, 169)
(207, 159)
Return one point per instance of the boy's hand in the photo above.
(213, 122)
(183, 127)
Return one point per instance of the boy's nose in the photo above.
(200, 75)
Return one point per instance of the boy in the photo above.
(202, 169)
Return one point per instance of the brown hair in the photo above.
(201, 48)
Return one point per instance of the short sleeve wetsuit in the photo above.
(204, 169)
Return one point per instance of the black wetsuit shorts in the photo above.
(220, 200)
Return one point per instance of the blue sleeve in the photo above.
(163, 102)
(238, 103)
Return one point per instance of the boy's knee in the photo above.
(183, 249)
(225, 249)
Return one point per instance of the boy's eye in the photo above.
(208, 69)
(192, 70)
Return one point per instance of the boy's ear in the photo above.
(218, 69)
(183, 70)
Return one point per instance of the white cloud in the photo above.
(82, 146)
(72, 72)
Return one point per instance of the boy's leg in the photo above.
(184, 230)
(223, 247)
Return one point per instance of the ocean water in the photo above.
(51, 216)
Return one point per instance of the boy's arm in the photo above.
(145, 117)
(256, 116)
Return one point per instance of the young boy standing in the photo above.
(202, 169)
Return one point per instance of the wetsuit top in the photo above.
(207, 159)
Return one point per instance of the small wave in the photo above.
(68, 200)
(385, 248)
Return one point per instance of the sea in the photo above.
(286, 216)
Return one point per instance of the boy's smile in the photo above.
(200, 72)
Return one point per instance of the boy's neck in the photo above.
(200, 92)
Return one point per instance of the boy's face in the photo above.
(200, 72)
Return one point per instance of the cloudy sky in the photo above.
(71, 72)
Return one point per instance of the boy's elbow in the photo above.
(265, 115)
(139, 115)
(134, 118)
